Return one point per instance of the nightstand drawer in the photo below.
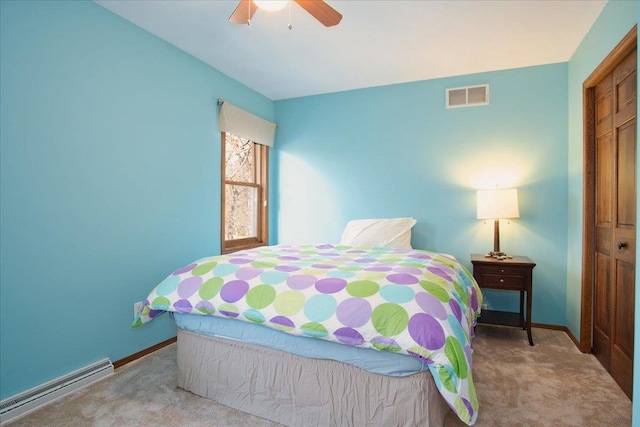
(502, 281)
(500, 270)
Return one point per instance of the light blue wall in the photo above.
(110, 179)
(615, 21)
(396, 151)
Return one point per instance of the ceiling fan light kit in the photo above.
(320, 10)
(271, 5)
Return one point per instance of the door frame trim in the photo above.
(622, 49)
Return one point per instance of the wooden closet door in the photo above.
(614, 287)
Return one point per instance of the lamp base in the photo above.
(497, 255)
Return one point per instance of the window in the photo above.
(244, 193)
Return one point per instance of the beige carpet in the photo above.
(550, 384)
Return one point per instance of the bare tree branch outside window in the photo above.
(241, 192)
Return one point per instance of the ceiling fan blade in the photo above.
(244, 12)
(324, 13)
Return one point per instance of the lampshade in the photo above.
(271, 5)
(496, 204)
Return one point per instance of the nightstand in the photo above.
(511, 274)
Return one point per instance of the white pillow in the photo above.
(390, 232)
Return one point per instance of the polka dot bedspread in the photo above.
(400, 300)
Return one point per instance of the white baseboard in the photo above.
(22, 403)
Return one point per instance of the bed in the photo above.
(326, 334)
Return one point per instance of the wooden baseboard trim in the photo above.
(119, 363)
(558, 328)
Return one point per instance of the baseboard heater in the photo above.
(36, 397)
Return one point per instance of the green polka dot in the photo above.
(210, 288)
(312, 271)
(283, 328)
(390, 260)
(456, 356)
(352, 268)
(161, 303)
(263, 264)
(362, 288)
(386, 347)
(289, 303)
(314, 329)
(261, 296)
(412, 264)
(372, 275)
(461, 293)
(389, 319)
(206, 310)
(446, 378)
(462, 410)
(203, 268)
(435, 290)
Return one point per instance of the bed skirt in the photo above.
(299, 391)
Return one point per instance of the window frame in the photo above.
(261, 184)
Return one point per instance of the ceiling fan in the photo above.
(320, 10)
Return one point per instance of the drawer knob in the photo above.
(622, 245)
(502, 271)
(501, 280)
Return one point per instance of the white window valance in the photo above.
(246, 125)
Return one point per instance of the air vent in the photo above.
(468, 96)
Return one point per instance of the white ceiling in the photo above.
(377, 43)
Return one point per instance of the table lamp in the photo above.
(497, 204)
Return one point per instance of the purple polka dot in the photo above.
(354, 312)
(248, 273)
(287, 268)
(302, 281)
(474, 299)
(329, 254)
(189, 286)
(323, 266)
(467, 353)
(440, 272)
(377, 269)
(402, 279)
(229, 313)
(468, 405)
(419, 256)
(282, 321)
(288, 258)
(330, 285)
(408, 270)
(234, 290)
(154, 313)
(432, 305)
(182, 306)
(365, 260)
(184, 269)
(349, 336)
(455, 308)
(240, 261)
(426, 331)
(327, 246)
(355, 251)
